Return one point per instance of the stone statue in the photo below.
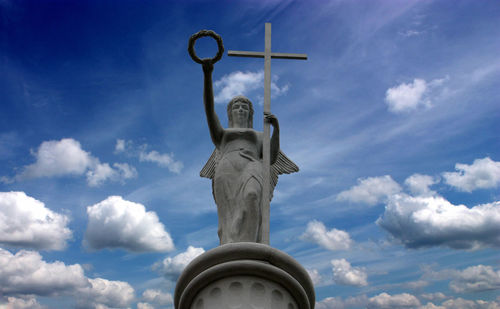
(235, 165)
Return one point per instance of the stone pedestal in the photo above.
(244, 275)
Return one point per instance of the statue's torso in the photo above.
(245, 140)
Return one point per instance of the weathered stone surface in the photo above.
(236, 165)
(244, 273)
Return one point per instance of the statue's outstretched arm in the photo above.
(216, 130)
(275, 138)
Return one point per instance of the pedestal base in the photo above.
(244, 275)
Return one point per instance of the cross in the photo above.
(267, 55)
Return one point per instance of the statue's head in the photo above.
(240, 100)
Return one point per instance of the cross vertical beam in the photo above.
(266, 148)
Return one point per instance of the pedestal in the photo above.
(244, 275)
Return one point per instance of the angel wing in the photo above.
(283, 165)
(208, 171)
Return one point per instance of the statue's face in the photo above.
(240, 112)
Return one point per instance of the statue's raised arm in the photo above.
(216, 130)
(235, 165)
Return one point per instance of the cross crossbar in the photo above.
(252, 54)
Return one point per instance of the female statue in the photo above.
(235, 166)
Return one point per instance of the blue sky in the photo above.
(393, 121)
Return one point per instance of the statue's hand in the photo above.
(270, 118)
(207, 65)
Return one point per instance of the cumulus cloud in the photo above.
(102, 293)
(470, 304)
(172, 267)
(338, 303)
(120, 145)
(371, 190)
(332, 240)
(117, 223)
(419, 184)
(345, 274)
(26, 222)
(66, 157)
(101, 172)
(163, 160)
(405, 97)
(125, 171)
(481, 174)
(142, 305)
(476, 278)
(314, 275)
(28, 302)
(409, 96)
(433, 296)
(434, 221)
(58, 158)
(141, 152)
(157, 297)
(242, 83)
(25, 274)
(386, 301)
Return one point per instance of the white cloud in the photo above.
(153, 156)
(475, 279)
(405, 97)
(120, 145)
(141, 305)
(237, 83)
(163, 160)
(66, 157)
(330, 303)
(331, 240)
(26, 222)
(433, 221)
(125, 171)
(104, 293)
(431, 306)
(28, 302)
(157, 297)
(481, 174)
(26, 273)
(339, 303)
(433, 296)
(102, 172)
(58, 158)
(117, 223)
(419, 184)
(470, 304)
(408, 97)
(384, 300)
(371, 190)
(243, 83)
(173, 267)
(315, 276)
(99, 174)
(345, 274)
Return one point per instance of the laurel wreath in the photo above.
(200, 34)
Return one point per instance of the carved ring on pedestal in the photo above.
(250, 260)
(200, 34)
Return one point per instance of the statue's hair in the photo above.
(240, 98)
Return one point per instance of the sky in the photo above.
(393, 121)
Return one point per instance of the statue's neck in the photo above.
(237, 125)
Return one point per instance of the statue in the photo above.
(235, 165)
